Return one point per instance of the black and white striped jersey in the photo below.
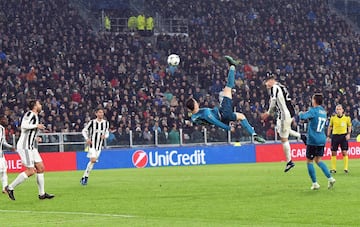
(94, 130)
(280, 98)
(29, 131)
(3, 141)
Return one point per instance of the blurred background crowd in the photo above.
(49, 52)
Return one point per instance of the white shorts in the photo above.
(3, 165)
(284, 127)
(30, 157)
(92, 153)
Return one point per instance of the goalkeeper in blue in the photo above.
(223, 115)
(316, 140)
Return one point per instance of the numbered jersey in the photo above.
(280, 97)
(316, 128)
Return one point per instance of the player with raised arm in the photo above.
(29, 154)
(95, 132)
(222, 116)
(3, 164)
(316, 140)
(281, 101)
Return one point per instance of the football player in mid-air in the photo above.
(281, 101)
(316, 140)
(223, 115)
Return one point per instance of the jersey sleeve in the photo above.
(331, 124)
(26, 121)
(348, 122)
(85, 131)
(3, 138)
(107, 130)
(307, 115)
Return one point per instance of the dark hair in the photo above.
(269, 76)
(99, 108)
(190, 104)
(32, 103)
(318, 98)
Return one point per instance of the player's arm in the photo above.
(348, 123)
(272, 104)
(213, 120)
(330, 127)
(107, 130)
(306, 115)
(273, 96)
(85, 132)
(4, 142)
(27, 124)
(7, 145)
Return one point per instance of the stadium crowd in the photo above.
(47, 51)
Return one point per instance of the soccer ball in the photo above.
(173, 60)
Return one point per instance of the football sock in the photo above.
(294, 133)
(346, 162)
(247, 126)
(325, 169)
(41, 183)
(311, 171)
(286, 147)
(18, 180)
(4, 179)
(231, 77)
(88, 169)
(333, 162)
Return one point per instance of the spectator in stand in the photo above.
(174, 135)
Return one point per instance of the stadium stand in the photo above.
(47, 51)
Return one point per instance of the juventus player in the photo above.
(29, 155)
(280, 99)
(3, 165)
(94, 133)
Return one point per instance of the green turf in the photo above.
(213, 195)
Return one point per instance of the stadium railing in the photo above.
(74, 141)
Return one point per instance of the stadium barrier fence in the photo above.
(145, 157)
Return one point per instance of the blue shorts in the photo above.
(226, 111)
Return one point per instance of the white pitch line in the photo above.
(71, 213)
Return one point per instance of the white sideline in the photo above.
(70, 213)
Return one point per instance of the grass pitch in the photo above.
(213, 195)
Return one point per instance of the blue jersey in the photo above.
(209, 116)
(316, 128)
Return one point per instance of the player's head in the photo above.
(317, 99)
(192, 105)
(99, 112)
(339, 110)
(35, 105)
(269, 80)
(4, 120)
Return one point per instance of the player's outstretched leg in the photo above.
(246, 125)
(231, 61)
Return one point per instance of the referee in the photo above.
(340, 129)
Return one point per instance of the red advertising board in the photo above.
(274, 152)
(53, 161)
